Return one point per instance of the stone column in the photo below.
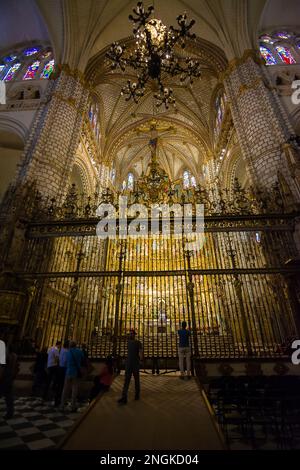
(104, 175)
(50, 150)
(47, 159)
(261, 123)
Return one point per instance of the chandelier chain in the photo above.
(155, 56)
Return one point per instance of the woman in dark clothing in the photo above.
(40, 372)
(103, 381)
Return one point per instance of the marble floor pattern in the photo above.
(36, 424)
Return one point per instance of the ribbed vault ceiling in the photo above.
(183, 134)
(80, 31)
(123, 141)
(91, 25)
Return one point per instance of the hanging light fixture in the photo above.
(154, 57)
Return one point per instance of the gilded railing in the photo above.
(234, 290)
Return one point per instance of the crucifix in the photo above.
(154, 127)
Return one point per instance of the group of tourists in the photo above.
(61, 368)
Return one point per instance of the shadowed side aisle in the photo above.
(170, 415)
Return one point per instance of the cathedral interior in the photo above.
(149, 176)
(97, 108)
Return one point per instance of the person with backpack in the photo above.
(75, 359)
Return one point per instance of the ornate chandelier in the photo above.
(154, 57)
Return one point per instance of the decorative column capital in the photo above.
(237, 61)
(77, 74)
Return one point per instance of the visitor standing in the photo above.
(8, 373)
(40, 376)
(184, 350)
(75, 358)
(52, 367)
(132, 367)
(61, 372)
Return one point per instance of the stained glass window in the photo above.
(46, 54)
(267, 55)
(48, 69)
(220, 109)
(95, 119)
(285, 55)
(266, 38)
(31, 51)
(130, 181)
(32, 70)
(186, 179)
(193, 181)
(113, 175)
(94, 122)
(10, 58)
(11, 63)
(11, 72)
(96, 131)
(277, 46)
(283, 35)
(91, 114)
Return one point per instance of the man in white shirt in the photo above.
(8, 373)
(53, 355)
(52, 367)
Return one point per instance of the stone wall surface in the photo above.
(261, 123)
(50, 150)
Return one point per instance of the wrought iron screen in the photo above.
(232, 292)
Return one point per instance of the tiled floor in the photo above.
(36, 424)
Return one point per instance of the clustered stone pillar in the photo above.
(104, 175)
(261, 123)
(47, 159)
(50, 150)
(263, 130)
